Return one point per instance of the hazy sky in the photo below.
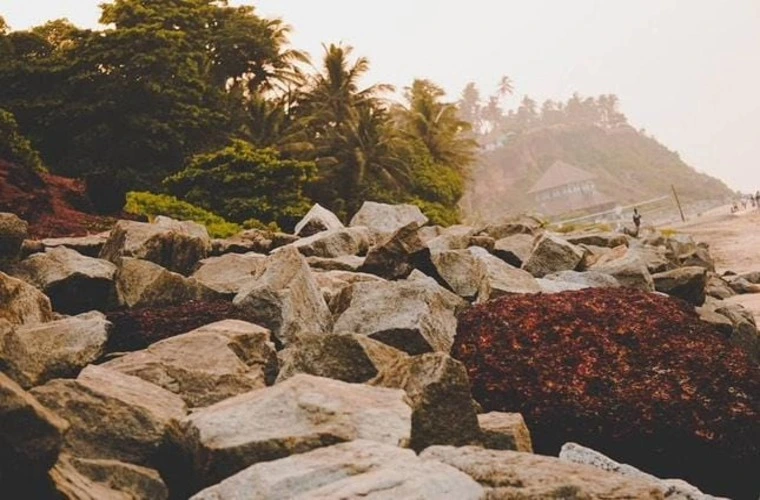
(688, 71)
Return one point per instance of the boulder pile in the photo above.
(386, 357)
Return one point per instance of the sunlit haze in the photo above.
(688, 71)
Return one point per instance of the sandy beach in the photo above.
(734, 241)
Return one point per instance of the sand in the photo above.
(734, 241)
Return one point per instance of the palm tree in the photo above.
(436, 124)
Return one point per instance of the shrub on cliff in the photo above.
(14, 147)
(635, 375)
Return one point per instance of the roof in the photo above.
(577, 202)
(560, 174)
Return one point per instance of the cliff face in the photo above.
(630, 167)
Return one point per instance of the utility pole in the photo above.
(678, 202)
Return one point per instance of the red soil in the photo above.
(52, 205)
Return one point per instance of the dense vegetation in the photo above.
(208, 102)
(591, 133)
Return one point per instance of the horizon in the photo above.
(703, 59)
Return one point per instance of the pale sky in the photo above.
(688, 71)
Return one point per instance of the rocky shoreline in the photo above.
(154, 362)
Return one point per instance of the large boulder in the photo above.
(350, 263)
(230, 273)
(31, 436)
(296, 416)
(634, 374)
(285, 298)
(385, 220)
(585, 279)
(94, 479)
(251, 240)
(672, 488)
(453, 238)
(551, 254)
(523, 224)
(89, 246)
(347, 357)
(438, 391)
(13, 232)
(395, 256)
(335, 243)
(141, 283)
(687, 283)
(502, 278)
(21, 303)
(332, 284)
(504, 431)
(318, 219)
(207, 365)
(32, 355)
(359, 469)
(463, 273)
(512, 475)
(515, 249)
(112, 415)
(607, 240)
(630, 270)
(74, 283)
(177, 246)
(409, 316)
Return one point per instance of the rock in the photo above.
(606, 240)
(206, 365)
(558, 286)
(630, 270)
(515, 249)
(318, 219)
(89, 246)
(296, 416)
(13, 232)
(409, 316)
(463, 273)
(587, 279)
(687, 283)
(398, 254)
(699, 257)
(230, 273)
(523, 224)
(450, 300)
(112, 415)
(654, 258)
(717, 287)
(21, 303)
(285, 298)
(29, 247)
(140, 283)
(740, 285)
(32, 355)
(346, 357)
(744, 334)
(720, 322)
(332, 284)
(511, 475)
(503, 279)
(335, 243)
(452, 238)
(438, 391)
(385, 220)
(672, 488)
(359, 469)
(504, 431)
(74, 283)
(485, 242)
(252, 240)
(31, 436)
(177, 246)
(551, 254)
(753, 277)
(89, 479)
(350, 263)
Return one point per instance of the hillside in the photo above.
(629, 166)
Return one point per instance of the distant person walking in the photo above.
(757, 199)
(636, 220)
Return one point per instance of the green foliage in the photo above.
(14, 147)
(153, 205)
(241, 182)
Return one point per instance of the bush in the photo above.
(16, 148)
(153, 205)
(634, 375)
(241, 182)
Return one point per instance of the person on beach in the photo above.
(636, 221)
(757, 199)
